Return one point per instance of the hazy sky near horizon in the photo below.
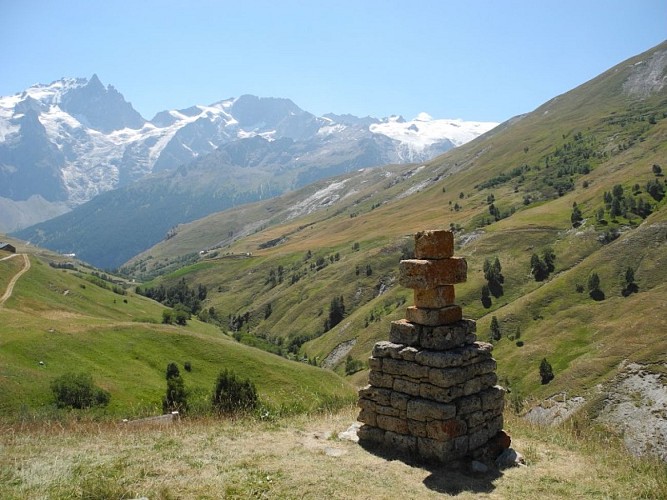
(479, 60)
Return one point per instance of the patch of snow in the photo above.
(246, 134)
(269, 136)
(330, 130)
(425, 131)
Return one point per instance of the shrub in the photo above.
(233, 395)
(78, 391)
(352, 365)
(181, 317)
(176, 397)
(167, 317)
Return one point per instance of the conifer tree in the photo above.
(175, 398)
(576, 216)
(495, 329)
(546, 371)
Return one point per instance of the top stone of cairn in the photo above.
(434, 245)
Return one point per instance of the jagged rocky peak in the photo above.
(279, 116)
(250, 110)
(169, 117)
(101, 108)
(351, 120)
(29, 104)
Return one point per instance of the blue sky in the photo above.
(475, 60)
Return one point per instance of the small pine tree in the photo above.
(593, 282)
(336, 312)
(599, 214)
(617, 191)
(594, 290)
(487, 270)
(495, 329)
(175, 398)
(538, 268)
(546, 371)
(616, 209)
(629, 276)
(497, 270)
(549, 258)
(576, 216)
(486, 296)
(630, 286)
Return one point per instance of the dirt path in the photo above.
(12, 282)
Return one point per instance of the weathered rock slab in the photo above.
(434, 244)
(434, 317)
(434, 298)
(420, 273)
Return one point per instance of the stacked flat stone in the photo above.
(432, 389)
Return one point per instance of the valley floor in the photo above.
(297, 457)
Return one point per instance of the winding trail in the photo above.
(12, 282)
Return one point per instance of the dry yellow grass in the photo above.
(299, 457)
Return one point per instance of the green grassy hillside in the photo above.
(509, 194)
(70, 321)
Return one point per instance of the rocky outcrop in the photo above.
(433, 391)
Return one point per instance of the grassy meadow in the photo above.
(57, 321)
(299, 457)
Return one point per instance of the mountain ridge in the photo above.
(91, 140)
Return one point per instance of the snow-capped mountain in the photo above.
(64, 143)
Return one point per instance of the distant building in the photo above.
(7, 247)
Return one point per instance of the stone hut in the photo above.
(433, 391)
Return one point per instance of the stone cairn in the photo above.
(433, 391)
